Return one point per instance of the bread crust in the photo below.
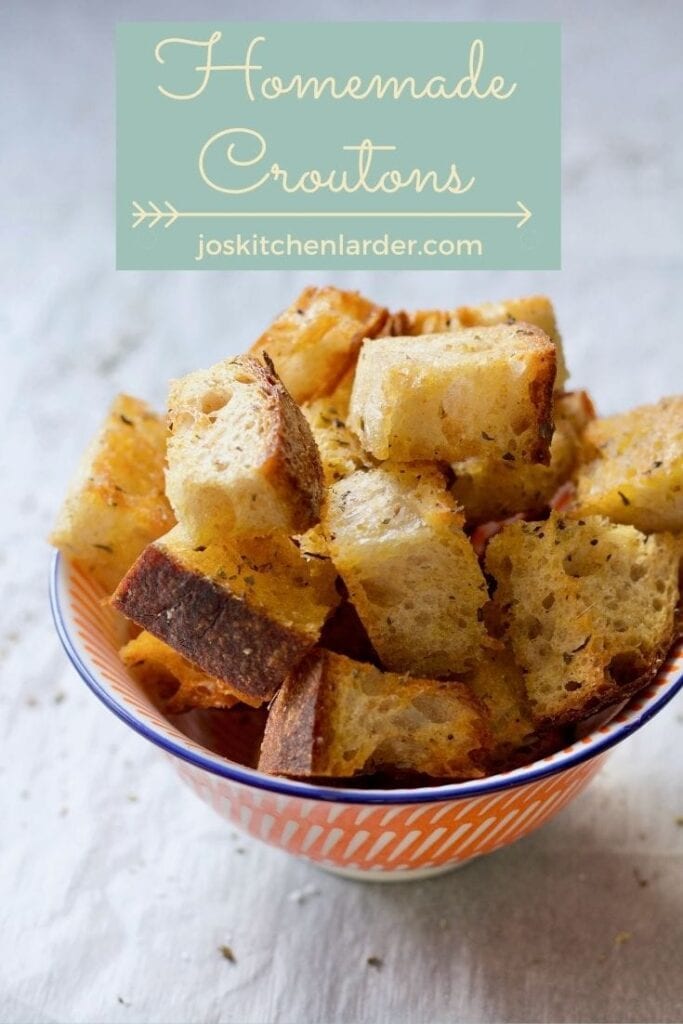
(207, 624)
(294, 731)
(293, 466)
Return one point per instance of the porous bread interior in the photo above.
(374, 719)
(633, 468)
(587, 606)
(496, 488)
(476, 392)
(395, 535)
(224, 432)
(116, 504)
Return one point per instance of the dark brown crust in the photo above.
(541, 391)
(208, 625)
(293, 737)
(293, 465)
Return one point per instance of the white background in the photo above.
(116, 885)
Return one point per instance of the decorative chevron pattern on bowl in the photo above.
(380, 834)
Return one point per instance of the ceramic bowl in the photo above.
(378, 834)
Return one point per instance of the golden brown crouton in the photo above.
(171, 680)
(244, 613)
(337, 718)
(241, 457)
(587, 608)
(116, 504)
(316, 340)
(395, 535)
(480, 392)
(633, 468)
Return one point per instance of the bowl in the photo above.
(376, 834)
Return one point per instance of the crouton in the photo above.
(587, 608)
(633, 468)
(243, 613)
(493, 489)
(480, 392)
(316, 340)
(533, 309)
(116, 504)
(339, 448)
(395, 535)
(171, 680)
(241, 457)
(337, 718)
(498, 683)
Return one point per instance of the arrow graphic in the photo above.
(154, 215)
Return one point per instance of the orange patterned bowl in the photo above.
(379, 834)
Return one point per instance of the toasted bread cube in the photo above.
(633, 471)
(171, 680)
(314, 342)
(395, 535)
(587, 608)
(116, 504)
(241, 457)
(337, 718)
(533, 309)
(493, 489)
(339, 448)
(498, 683)
(482, 392)
(242, 612)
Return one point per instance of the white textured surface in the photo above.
(116, 885)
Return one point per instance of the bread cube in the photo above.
(336, 718)
(244, 612)
(482, 392)
(493, 489)
(533, 309)
(241, 457)
(587, 608)
(633, 469)
(395, 535)
(170, 679)
(116, 504)
(339, 449)
(498, 684)
(316, 340)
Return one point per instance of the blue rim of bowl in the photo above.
(424, 794)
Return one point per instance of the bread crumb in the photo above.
(227, 954)
(642, 882)
(621, 937)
